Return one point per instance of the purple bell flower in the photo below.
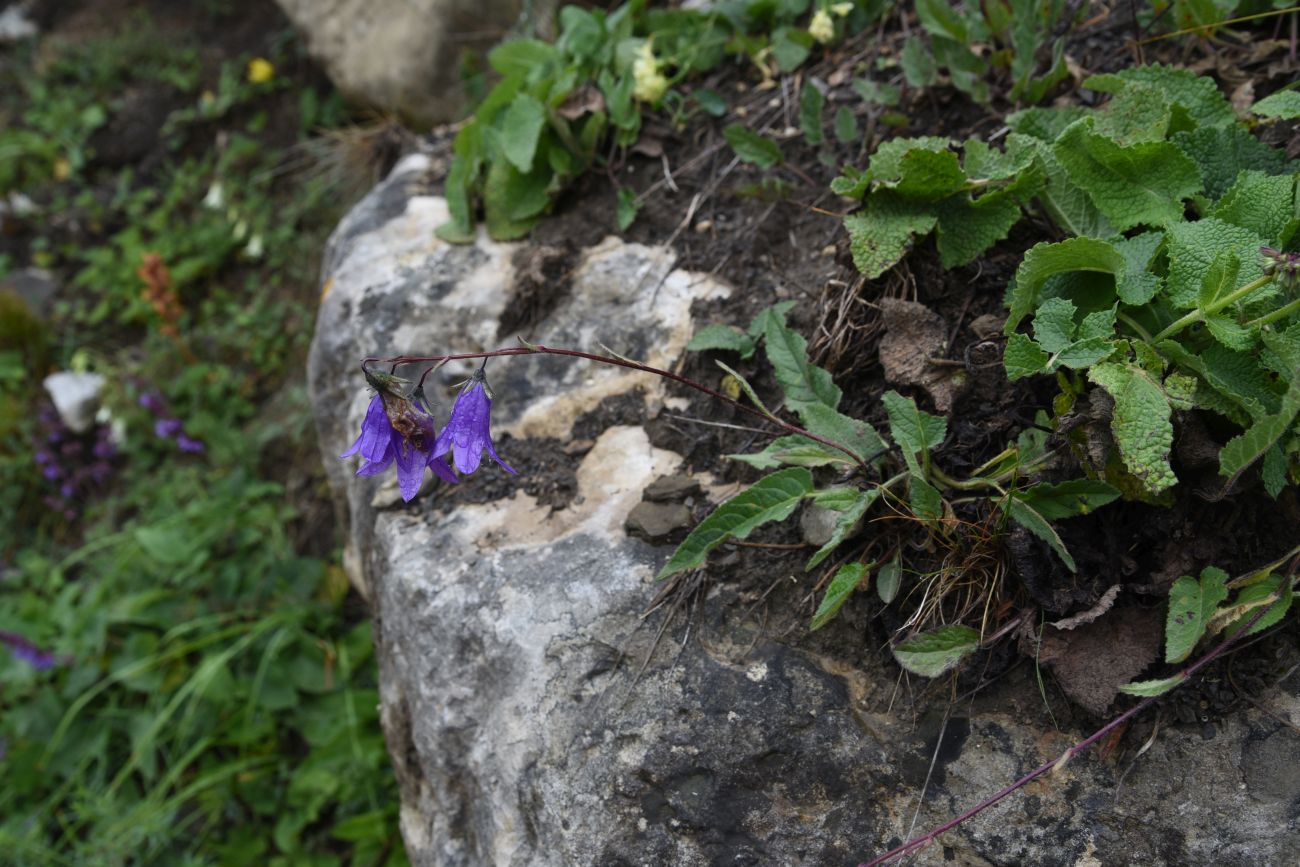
(28, 652)
(398, 431)
(166, 428)
(189, 444)
(468, 431)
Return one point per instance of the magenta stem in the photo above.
(1118, 721)
(537, 349)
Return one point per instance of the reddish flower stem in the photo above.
(537, 349)
(917, 842)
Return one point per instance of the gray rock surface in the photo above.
(535, 719)
(401, 56)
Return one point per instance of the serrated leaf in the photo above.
(521, 128)
(1191, 604)
(1147, 688)
(1141, 423)
(1264, 204)
(844, 525)
(924, 499)
(1046, 260)
(1134, 114)
(886, 165)
(1219, 279)
(881, 234)
(1283, 105)
(1222, 153)
(1237, 376)
(772, 498)
(1045, 123)
(1133, 185)
(1023, 357)
(918, 64)
(811, 104)
(888, 580)
(722, 337)
(1193, 248)
(751, 147)
(846, 580)
(1054, 324)
(1028, 517)
(793, 451)
(1244, 449)
(1273, 471)
(801, 380)
(1231, 333)
(927, 176)
(1067, 499)
(1197, 95)
(967, 229)
(934, 653)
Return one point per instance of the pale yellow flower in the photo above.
(260, 70)
(649, 84)
(841, 9)
(821, 27)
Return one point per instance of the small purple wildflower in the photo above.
(468, 431)
(28, 652)
(397, 430)
(189, 445)
(153, 402)
(167, 428)
(1285, 267)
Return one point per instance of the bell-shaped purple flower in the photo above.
(28, 652)
(398, 431)
(468, 432)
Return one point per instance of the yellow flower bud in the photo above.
(841, 9)
(649, 84)
(821, 27)
(260, 70)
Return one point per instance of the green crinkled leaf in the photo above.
(1147, 688)
(918, 64)
(1197, 95)
(1045, 123)
(1222, 153)
(1191, 605)
(1219, 279)
(1193, 248)
(1134, 114)
(1283, 105)
(854, 433)
(801, 380)
(984, 162)
(752, 147)
(722, 337)
(924, 499)
(1237, 376)
(927, 176)
(1137, 285)
(772, 498)
(1265, 204)
(844, 524)
(881, 233)
(886, 163)
(1141, 423)
(1244, 449)
(1230, 333)
(1140, 184)
(1054, 324)
(934, 653)
(1046, 260)
(968, 229)
(846, 580)
(1028, 517)
(521, 128)
(793, 451)
(1067, 499)
(1023, 357)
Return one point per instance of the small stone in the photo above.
(578, 447)
(671, 489)
(76, 397)
(818, 524)
(656, 522)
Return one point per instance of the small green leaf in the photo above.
(1264, 204)
(1141, 423)
(751, 147)
(1147, 688)
(833, 425)
(1273, 471)
(777, 312)
(811, 103)
(772, 498)
(1246, 448)
(521, 128)
(1220, 278)
(1029, 518)
(1283, 105)
(627, 209)
(1191, 604)
(934, 653)
(846, 125)
(1198, 96)
(722, 337)
(1023, 357)
(1046, 260)
(793, 451)
(918, 64)
(844, 524)
(880, 235)
(846, 580)
(888, 580)
(801, 380)
(915, 430)
(710, 100)
(1222, 153)
(1275, 587)
(791, 47)
(924, 499)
